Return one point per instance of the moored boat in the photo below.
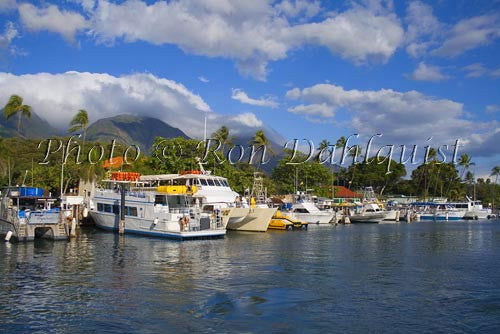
(367, 213)
(154, 211)
(26, 213)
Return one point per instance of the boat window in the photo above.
(211, 182)
(116, 209)
(176, 201)
(217, 183)
(108, 208)
(301, 210)
(131, 211)
(203, 182)
(370, 210)
(100, 207)
(160, 199)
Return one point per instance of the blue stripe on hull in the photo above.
(449, 218)
(161, 234)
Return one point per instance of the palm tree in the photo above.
(469, 177)
(465, 162)
(353, 153)
(323, 145)
(16, 106)
(260, 139)
(495, 171)
(223, 136)
(80, 122)
(340, 142)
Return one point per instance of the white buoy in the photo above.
(73, 228)
(85, 212)
(155, 222)
(8, 236)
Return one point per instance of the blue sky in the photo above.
(307, 69)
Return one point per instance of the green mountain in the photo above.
(34, 127)
(129, 129)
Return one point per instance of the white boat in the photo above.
(305, 210)
(475, 210)
(213, 192)
(392, 215)
(25, 213)
(154, 211)
(450, 211)
(367, 212)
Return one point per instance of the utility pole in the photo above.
(121, 226)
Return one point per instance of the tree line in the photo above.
(19, 159)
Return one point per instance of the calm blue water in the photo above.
(419, 277)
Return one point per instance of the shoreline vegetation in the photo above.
(38, 163)
(20, 163)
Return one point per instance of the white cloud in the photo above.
(6, 5)
(403, 117)
(422, 24)
(495, 73)
(252, 33)
(469, 34)
(248, 119)
(299, 7)
(358, 35)
(56, 98)
(425, 32)
(8, 35)
(477, 70)
(240, 95)
(425, 72)
(322, 109)
(492, 108)
(203, 79)
(52, 19)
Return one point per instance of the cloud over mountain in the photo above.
(56, 97)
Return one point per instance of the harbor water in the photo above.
(425, 277)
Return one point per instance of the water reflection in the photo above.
(377, 278)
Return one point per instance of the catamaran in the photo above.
(26, 213)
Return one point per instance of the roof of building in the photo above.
(343, 192)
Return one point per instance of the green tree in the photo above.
(310, 175)
(495, 171)
(222, 134)
(465, 162)
(80, 122)
(15, 106)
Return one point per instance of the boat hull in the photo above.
(312, 218)
(148, 228)
(5, 227)
(367, 218)
(254, 219)
(392, 215)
